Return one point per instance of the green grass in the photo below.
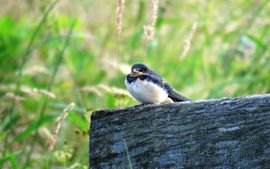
(72, 50)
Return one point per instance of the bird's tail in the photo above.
(176, 97)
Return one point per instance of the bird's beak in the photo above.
(135, 73)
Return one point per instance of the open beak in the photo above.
(135, 73)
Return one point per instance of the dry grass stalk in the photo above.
(114, 90)
(92, 89)
(12, 96)
(119, 15)
(98, 89)
(27, 90)
(59, 122)
(7, 87)
(187, 42)
(35, 70)
(35, 91)
(149, 30)
(113, 64)
(46, 134)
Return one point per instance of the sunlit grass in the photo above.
(71, 52)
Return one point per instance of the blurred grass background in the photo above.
(53, 53)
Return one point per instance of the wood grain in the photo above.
(217, 133)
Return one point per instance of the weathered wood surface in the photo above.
(222, 133)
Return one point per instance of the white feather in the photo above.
(146, 91)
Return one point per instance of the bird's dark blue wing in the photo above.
(130, 79)
(176, 97)
(153, 73)
(154, 79)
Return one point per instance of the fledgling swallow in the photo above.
(148, 87)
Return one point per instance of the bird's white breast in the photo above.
(146, 91)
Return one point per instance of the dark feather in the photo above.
(130, 79)
(154, 79)
(176, 97)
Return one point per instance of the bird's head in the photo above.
(139, 69)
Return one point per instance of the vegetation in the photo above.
(54, 54)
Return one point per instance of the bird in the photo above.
(148, 87)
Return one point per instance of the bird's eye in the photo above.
(143, 69)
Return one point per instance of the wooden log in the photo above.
(216, 133)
